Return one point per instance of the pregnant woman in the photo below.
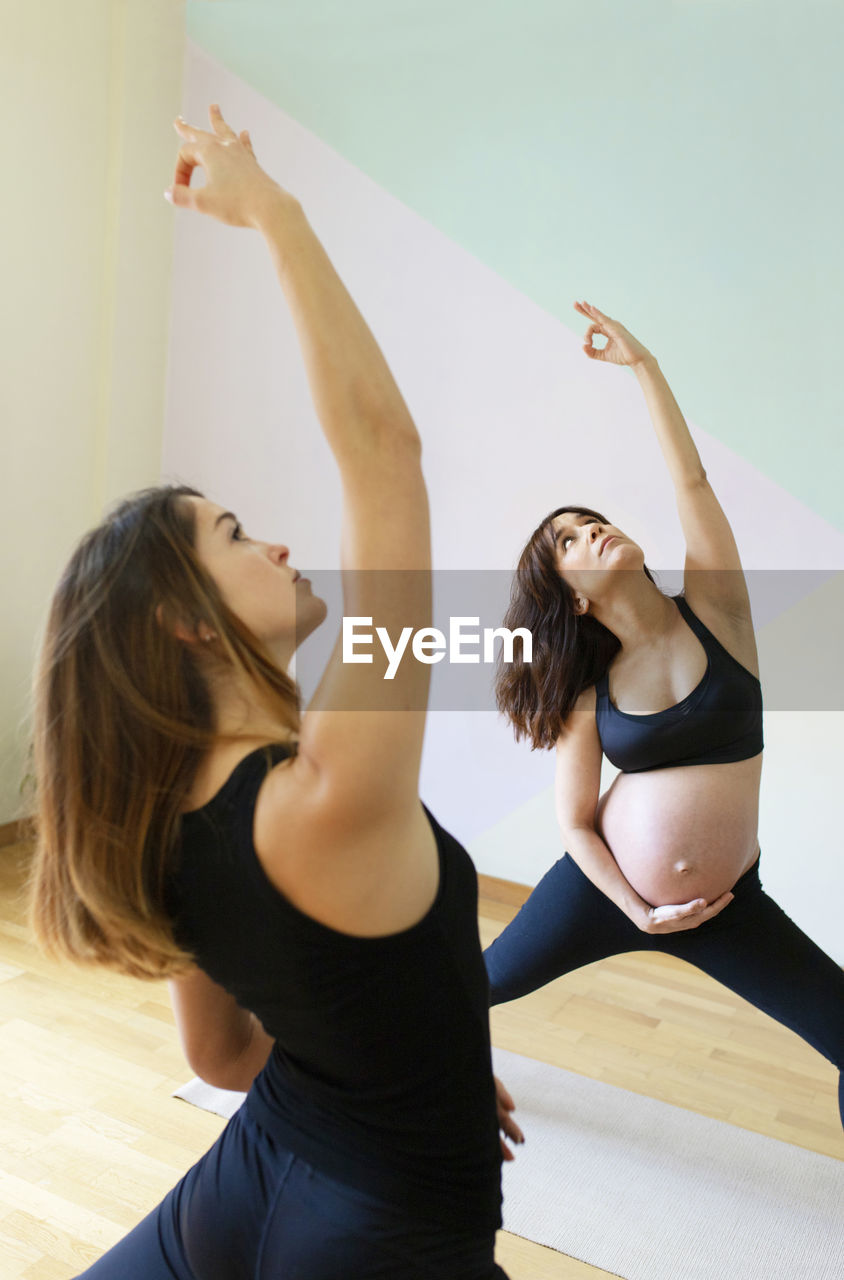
(318, 927)
(668, 689)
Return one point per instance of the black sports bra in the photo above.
(718, 722)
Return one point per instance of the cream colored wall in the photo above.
(89, 93)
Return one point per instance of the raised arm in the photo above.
(355, 752)
(577, 786)
(351, 733)
(713, 568)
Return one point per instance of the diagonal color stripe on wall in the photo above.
(670, 161)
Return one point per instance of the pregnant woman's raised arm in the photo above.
(713, 572)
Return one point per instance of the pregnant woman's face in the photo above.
(587, 549)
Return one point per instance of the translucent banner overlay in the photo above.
(442, 657)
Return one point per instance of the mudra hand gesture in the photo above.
(622, 348)
(237, 190)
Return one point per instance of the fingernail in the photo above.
(168, 195)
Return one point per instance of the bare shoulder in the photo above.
(586, 702)
(582, 714)
(579, 728)
(293, 802)
(366, 872)
(296, 775)
(300, 801)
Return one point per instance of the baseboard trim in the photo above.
(506, 891)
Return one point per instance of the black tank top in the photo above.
(718, 722)
(381, 1072)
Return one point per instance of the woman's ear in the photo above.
(201, 633)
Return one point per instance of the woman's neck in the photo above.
(242, 724)
(240, 714)
(638, 613)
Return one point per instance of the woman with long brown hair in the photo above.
(317, 926)
(668, 689)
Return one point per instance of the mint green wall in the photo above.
(678, 163)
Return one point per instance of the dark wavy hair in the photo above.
(123, 716)
(570, 650)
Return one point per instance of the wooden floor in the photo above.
(90, 1138)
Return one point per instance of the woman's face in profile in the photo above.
(256, 580)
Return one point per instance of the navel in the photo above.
(684, 868)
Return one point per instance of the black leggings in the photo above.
(250, 1210)
(751, 947)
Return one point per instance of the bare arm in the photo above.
(224, 1044)
(350, 732)
(713, 570)
(678, 448)
(576, 791)
(356, 755)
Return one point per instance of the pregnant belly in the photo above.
(683, 833)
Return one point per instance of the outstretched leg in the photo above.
(753, 948)
(565, 923)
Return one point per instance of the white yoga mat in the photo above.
(648, 1191)
(223, 1102)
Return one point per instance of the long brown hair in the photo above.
(570, 650)
(122, 717)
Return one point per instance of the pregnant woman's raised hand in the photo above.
(688, 915)
(236, 188)
(622, 348)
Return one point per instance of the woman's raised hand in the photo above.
(622, 348)
(236, 190)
